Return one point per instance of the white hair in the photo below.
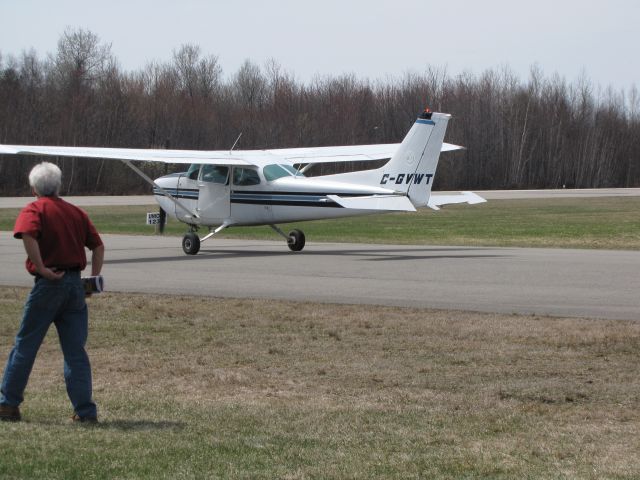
(46, 179)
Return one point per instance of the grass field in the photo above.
(219, 388)
(612, 223)
(223, 388)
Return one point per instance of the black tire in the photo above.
(296, 240)
(191, 243)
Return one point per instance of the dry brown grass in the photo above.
(301, 390)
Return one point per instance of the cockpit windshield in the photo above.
(276, 170)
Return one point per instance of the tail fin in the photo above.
(413, 166)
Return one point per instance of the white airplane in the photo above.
(268, 187)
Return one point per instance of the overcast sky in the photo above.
(372, 38)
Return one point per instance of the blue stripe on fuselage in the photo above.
(292, 199)
(177, 193)
(286, 199)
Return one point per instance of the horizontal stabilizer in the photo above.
(437, 201)
(450, 147)
(395, 203)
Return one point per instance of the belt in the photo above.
(58, 269)
(66, 269)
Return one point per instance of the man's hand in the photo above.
(33, 250)
(50, 274)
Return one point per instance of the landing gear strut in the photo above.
(191, 241)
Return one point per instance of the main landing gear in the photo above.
(191, 241)
(295, 242)
(295, 239)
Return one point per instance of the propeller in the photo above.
(163, 220)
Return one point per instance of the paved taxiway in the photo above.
(591, 283)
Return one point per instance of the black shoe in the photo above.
(79, 419)
(9, 413)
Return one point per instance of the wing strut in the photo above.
(154, 184)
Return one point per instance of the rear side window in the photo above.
(275, 171)
(245, 176)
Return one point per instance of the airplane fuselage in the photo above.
(250, 196)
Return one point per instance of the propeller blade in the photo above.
(163, 220)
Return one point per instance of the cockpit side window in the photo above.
(245, 176)
(214, 174)
(192, 173)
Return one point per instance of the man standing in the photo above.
(55, 234)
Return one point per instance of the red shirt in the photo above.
(62, 231)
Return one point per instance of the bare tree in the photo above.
(538, 133)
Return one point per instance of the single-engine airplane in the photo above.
(268, 187)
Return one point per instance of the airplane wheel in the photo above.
(296, 240)
(191, 243)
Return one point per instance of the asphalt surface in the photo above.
(558, 282)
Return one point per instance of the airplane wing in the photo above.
(352, 153)
(126, 155)
(437, 201)
(237, 157)
(143, 155)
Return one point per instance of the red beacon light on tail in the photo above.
(426, 114)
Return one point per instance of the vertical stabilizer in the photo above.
(413, 166)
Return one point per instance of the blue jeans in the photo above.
(62, 303)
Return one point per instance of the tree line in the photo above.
(542, 132)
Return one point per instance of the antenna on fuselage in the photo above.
(235, 143)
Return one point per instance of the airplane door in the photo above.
(214, 205)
